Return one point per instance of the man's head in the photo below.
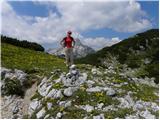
(69, 33)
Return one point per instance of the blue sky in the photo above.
(99, 25)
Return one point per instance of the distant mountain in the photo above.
(141, 50)
(79, 50)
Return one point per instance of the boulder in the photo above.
(41, 113)
(54, 93)
(68, 91)
(43, 89)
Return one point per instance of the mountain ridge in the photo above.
(135, 51)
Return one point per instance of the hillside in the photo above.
(141, 50)
(38, 85)
(22, 43)
(15, 57)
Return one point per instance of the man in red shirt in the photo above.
(68, 43)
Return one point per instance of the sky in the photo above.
(96, 24)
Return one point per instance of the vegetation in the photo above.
(24, 43)
(12, 86)
(28, 60)
(133, 52)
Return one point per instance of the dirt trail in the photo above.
(29, 93)
(8, 103)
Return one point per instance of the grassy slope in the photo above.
(122, 49)
(25, 59)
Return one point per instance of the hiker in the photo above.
(68, 44)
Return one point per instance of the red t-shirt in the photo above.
(68, 42)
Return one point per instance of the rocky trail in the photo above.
(87, 93)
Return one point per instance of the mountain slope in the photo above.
(84, 91)
(79, 50)
(139, 50)
(28, 60)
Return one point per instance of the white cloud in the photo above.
(100, 42)
(78, 17)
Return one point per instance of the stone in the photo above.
(41, 113)
(100, 105)
(147, 115)
(9, 75)
(94, 71)
(67, 82)
(47, 116)
(137, 106)
(44, 89)
(59, 115)
(68, 104)
(15, 109)
(58, 94)
(101, 116)
(58, 80)
(88, 108)
(35, 104)
(111, 92)
(4, 71)
(49, 105)
(110, 107)
(62, 103)
(126, 102)
(55, 94)
(74, 72)
(72, 66)
(90, 83)
(20, 75)
(51, 93)
(94, 89)
(69, 91)
(132, 117)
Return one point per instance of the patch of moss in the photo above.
(83, 98)
(146, 93)
(57, 86)
(141, 91)
(53, 111)
(74, 113)
(120, 113)
(118, 81)
(36, 95)
(155, 113)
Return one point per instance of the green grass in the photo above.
(120, 113)
(29, 60)
(143, 92)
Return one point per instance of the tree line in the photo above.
(24, 43)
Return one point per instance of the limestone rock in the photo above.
(41, 113)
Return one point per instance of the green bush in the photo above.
(11, 87)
